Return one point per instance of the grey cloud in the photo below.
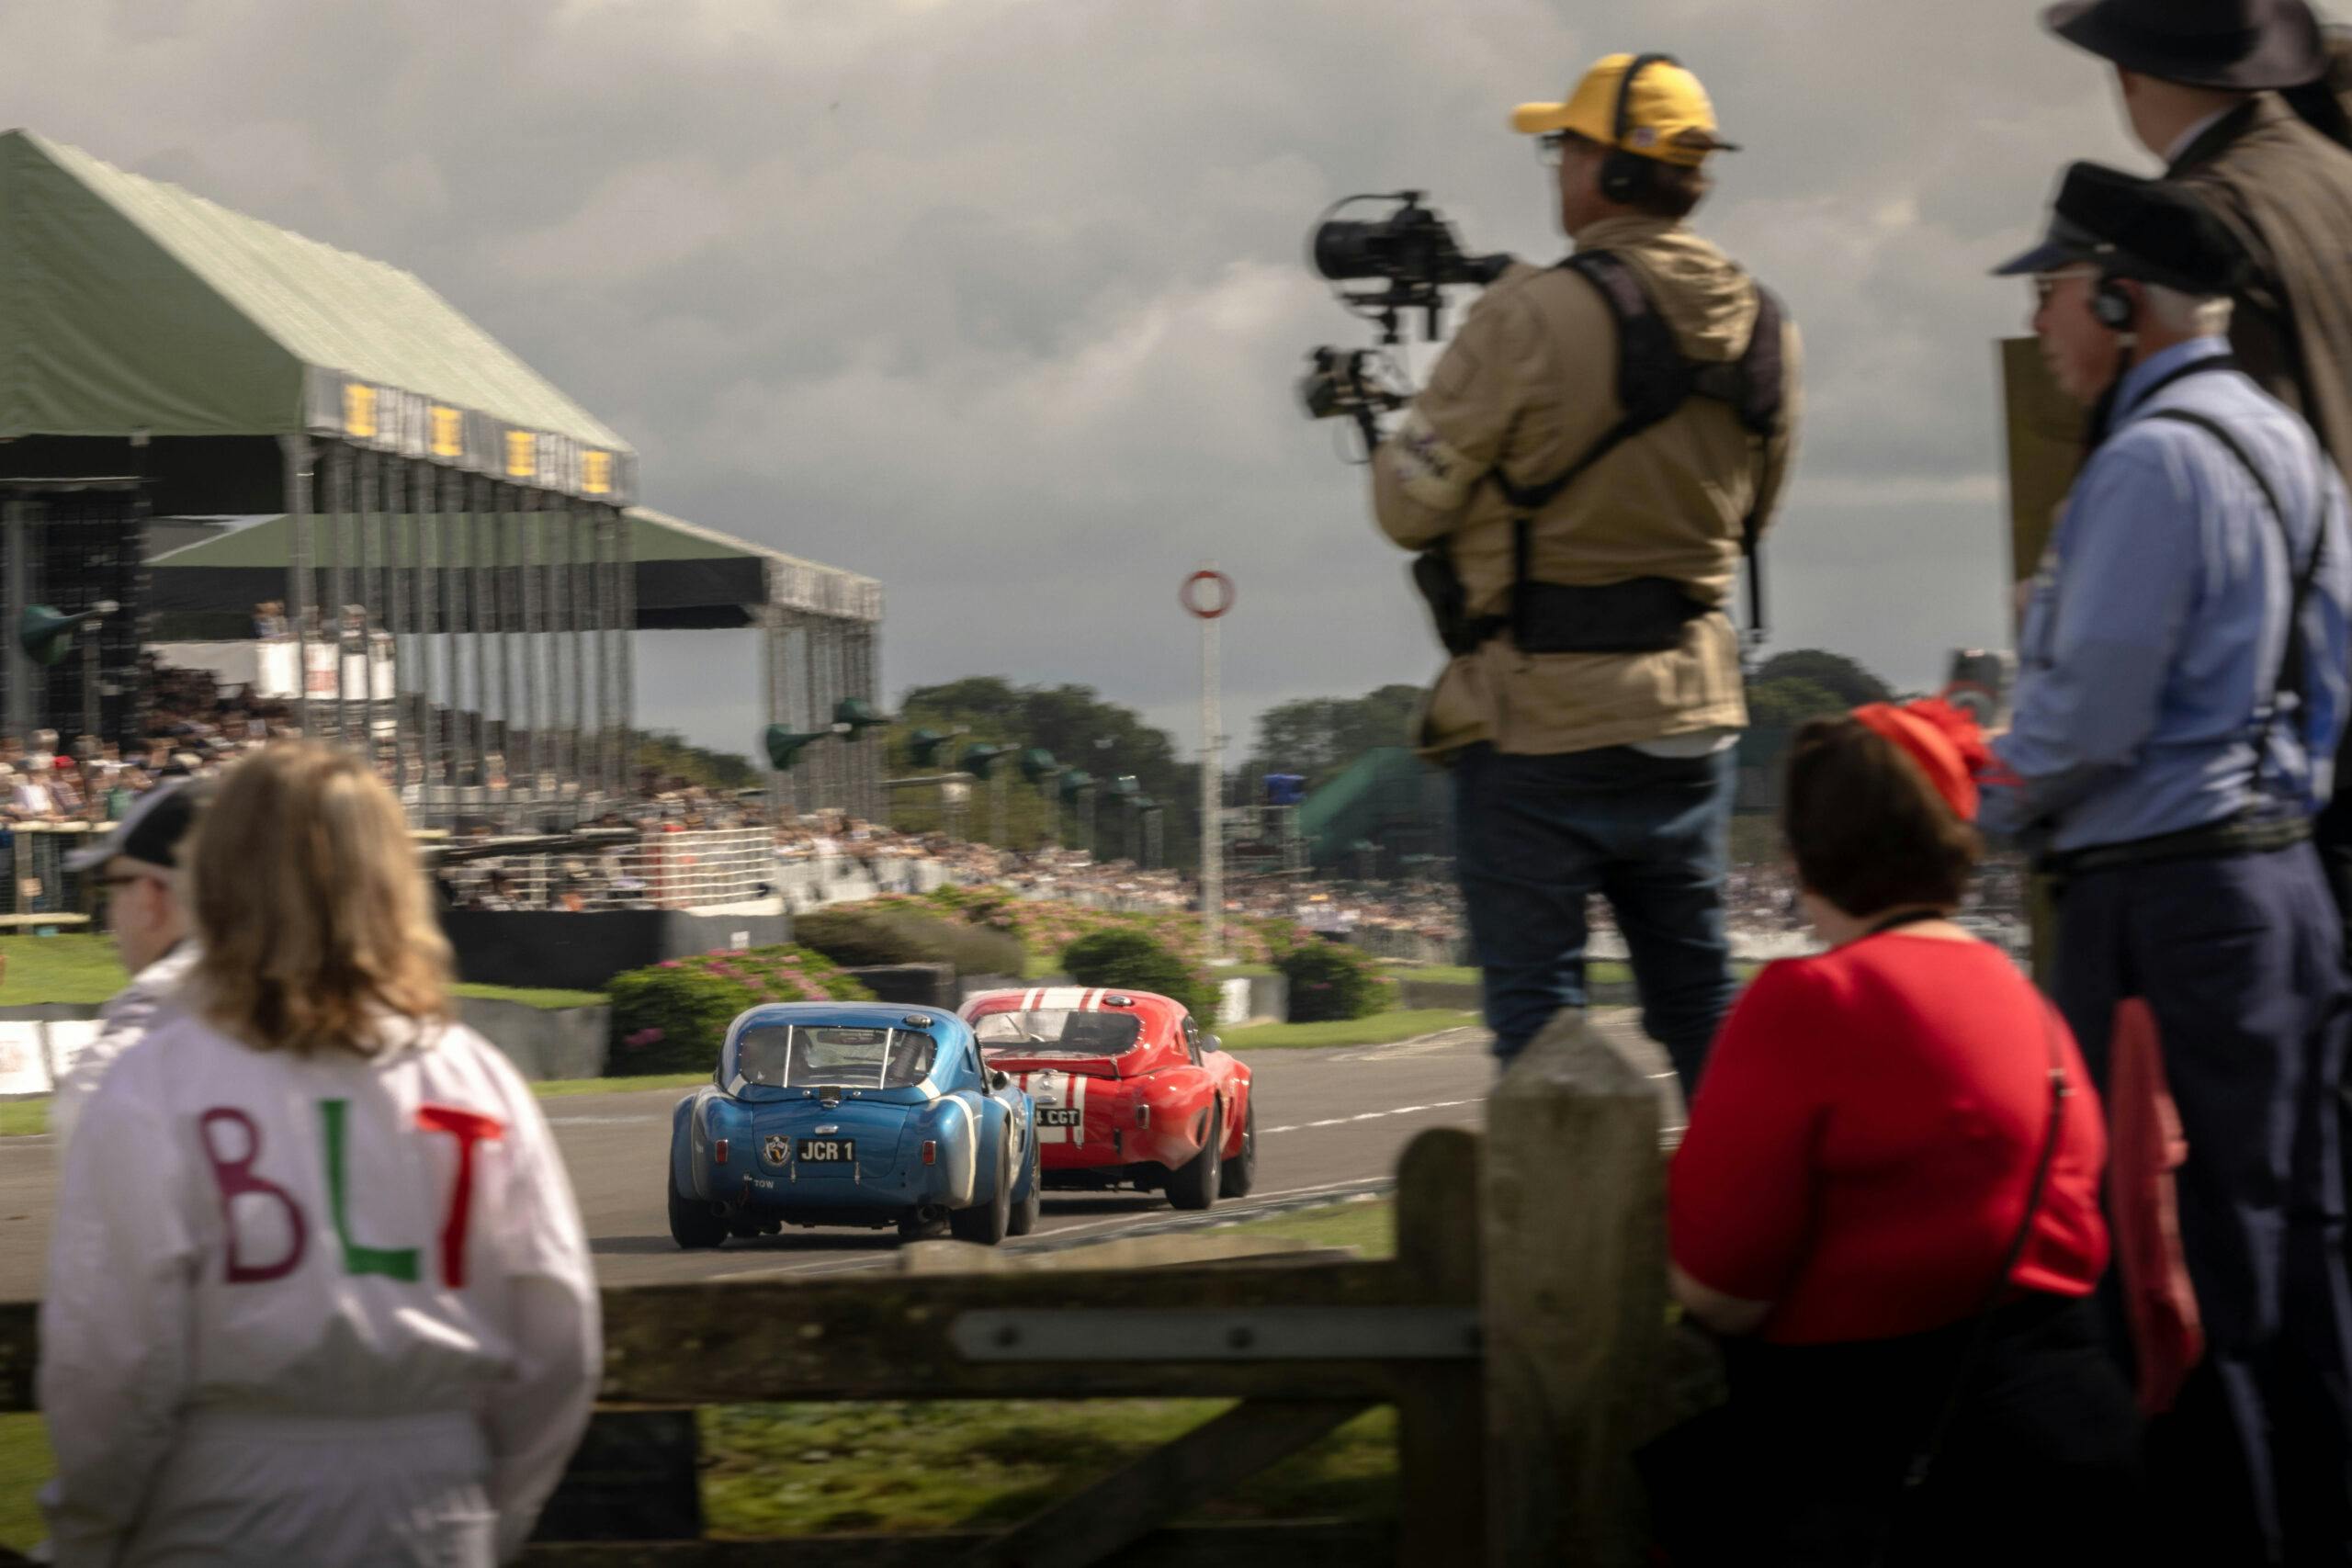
(1003, 299)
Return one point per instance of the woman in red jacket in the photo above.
(1888, 1199)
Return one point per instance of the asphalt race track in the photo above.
(1330, 1123)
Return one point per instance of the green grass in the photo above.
(785, 1468)
(75, 969)
(559, 1089)
(79, 969)
(24, 1465)
(773, 1469)
(550, 998)
(19, 1118)
(1380, 1029)
(1368, 1226)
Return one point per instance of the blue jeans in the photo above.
(1537, 836)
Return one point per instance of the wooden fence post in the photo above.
(1575, 1265)
(1441, 1406)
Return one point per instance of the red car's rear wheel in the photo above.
(1194, 1184)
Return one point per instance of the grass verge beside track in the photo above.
(789, 1469)
(1380, 1029)
(78, 969)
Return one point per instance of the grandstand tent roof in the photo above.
(689, 578)
(130, 307)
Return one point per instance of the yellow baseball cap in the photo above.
(1669, 118)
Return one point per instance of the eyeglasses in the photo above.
(2045, 284)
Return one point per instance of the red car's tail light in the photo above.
(1143, 1115)
(931, 1151)
(718, 1151)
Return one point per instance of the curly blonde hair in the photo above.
(315, 925)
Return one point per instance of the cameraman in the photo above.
(1578, 554)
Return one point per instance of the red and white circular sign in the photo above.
(1220, 585)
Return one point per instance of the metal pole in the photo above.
(627, 692)
(526, 526)
(579, 529)
(771, 692)
(482, 542)
(397, 541)
(506, 589)
(997, 788)
(600, 621)
(1212, 796)
(365, 507)
(299, 586)
(22, 672)
(424, 531)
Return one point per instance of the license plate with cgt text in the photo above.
(827, 1151)
(1061, 1116)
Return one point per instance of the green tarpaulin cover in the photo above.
(130, 305)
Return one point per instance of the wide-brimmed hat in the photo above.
(2235, 45)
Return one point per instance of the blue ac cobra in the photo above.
(853, 1114)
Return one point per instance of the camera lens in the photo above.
(1344, 250)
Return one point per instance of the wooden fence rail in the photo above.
(1519, 1332)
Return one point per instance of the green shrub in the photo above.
(1331, 981)
(1130, 960)
(672, 1017)
(859, 934)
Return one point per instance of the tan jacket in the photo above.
(1531, 383)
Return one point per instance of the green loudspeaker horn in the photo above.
(980, 760)
(1037, 765)
(1075, 783)
(857, 715)
(784, 746)
(1127, 786)
(45, 634)
(923, 746)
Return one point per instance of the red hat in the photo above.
(1945, 742)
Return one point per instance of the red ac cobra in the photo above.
(1129, 1091)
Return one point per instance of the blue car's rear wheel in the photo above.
(987, 1222)
(1025, 1213)
(692, 1222)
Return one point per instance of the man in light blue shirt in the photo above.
(2181, 691)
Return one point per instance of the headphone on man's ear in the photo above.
(1624, 175)
(2110, 306)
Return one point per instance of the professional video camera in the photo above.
(1412, 253)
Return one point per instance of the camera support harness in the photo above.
(1655, 380)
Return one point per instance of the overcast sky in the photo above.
(1003, 301)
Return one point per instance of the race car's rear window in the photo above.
(794, 1055)
(1053, 1032)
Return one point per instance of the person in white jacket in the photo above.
(318, 1289)
(137, 866)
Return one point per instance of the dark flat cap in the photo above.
(2153, 230)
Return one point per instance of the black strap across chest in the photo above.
(1655, 380)
(2293, 671)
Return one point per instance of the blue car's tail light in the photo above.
(718, 1151)
(931, 1151)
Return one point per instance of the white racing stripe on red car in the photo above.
(1051, 1087)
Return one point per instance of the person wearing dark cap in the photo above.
(138, 867)
(2207, 86)
(2181, 693)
